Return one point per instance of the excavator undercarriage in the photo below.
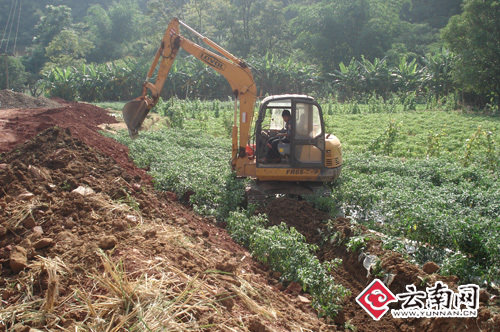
(260, 192)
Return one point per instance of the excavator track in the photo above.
(259, 192)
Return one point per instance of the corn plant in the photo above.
(481, 140)
(385, 142)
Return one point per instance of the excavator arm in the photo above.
(232, 68)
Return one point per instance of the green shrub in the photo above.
(189, 162)
(430, 201)
(286, 250)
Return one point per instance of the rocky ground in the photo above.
(86, 244)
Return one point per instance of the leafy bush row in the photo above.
(119, 80)
(431, 201)
(188, 78)
(451, 136)
(285, 250)
(432, 78)
(192, 164)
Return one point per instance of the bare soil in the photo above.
(80, 226)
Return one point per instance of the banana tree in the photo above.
(92, 83)
(407, 76)
(62, 83)
(438, 67)
(376, 76)
(349, 79)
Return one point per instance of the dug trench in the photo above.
(86, 243)
(332, 236)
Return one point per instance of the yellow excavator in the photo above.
(307, 156)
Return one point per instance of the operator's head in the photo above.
(286, 115)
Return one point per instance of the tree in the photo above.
(54, 20)
(116, 31)
(16, 73)
(408, 76)
(348, 79)
(474, 36)
(332, 32)
(67, 48)
(438, 66)
(327, 32)
(376, 76)
(433, 13)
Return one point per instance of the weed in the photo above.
(377, 270)
(350, 326)
(356, 243)
(385, 142)
(130, 201)
(65, 186)
(434, 144)
(425, 280)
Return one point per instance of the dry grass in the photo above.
(170, 300)
(126, 207)
(153, 295)
(111, 300)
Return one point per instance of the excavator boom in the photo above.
(232, 68)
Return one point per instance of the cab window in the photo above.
(307, 121)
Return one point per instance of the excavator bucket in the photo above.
(134, 112)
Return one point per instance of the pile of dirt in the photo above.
(84, 121)
(10, 99)
(81, 240)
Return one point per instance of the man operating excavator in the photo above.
(283, 136)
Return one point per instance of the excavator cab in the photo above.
(306, 145)
(308, 158)
(309, 153)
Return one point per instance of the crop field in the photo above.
(427, 180)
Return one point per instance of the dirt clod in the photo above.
(108, 242)
(294, 288)
(120, 224)
(18, 259)
(430, 267)
(43, 243)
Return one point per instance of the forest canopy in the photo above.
(337, 44)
